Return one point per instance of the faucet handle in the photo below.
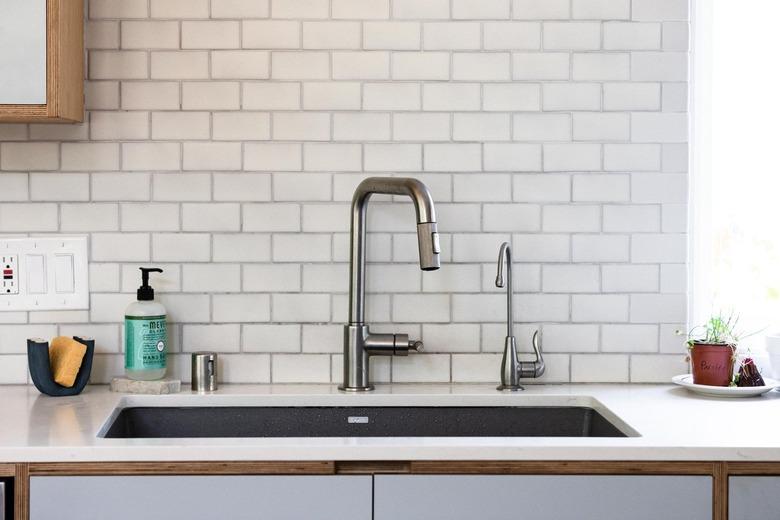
(417, 346)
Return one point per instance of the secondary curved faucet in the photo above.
(512, 369)
(359, 343)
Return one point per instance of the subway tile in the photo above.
(89, 217)
(210, 34)
(331, 35)
(271, 338)
(398, 36)
(180, 125)
(111, 126)
(572, 35)
(155, 95)
(149, 35)
(181, 247)
(242, 247)
(452, 36)
(180, 8)
(247, 187)
(240, 8)
(300, 368)
(182, 187)
(214, 95)
(210, 277)
(58, 187)
(540, 65)
(629, 278)
(121, 186)
(28, 217)
(421, 9)
(212, 156)
(511, 97)
(232, 64)
(271, 34)
(535, 10)
(606, 368)
(391, 96)
(29, 156)
(151, 156)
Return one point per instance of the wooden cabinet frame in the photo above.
(64, 69)
(719, 471)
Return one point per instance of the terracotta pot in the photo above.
(713, 364)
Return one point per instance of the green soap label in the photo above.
(145, 342)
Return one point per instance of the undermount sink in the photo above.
(369, 421)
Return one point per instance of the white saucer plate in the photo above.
(686, 381)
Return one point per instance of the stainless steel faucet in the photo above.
(512, 369)
(359, 343)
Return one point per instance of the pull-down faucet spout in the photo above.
(359, 343)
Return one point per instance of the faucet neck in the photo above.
(506, 252)
(426, 224)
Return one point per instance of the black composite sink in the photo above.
(253, 421)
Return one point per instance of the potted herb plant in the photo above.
(712, 348)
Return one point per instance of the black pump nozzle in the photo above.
(146, 292)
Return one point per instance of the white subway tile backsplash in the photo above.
(224, 139)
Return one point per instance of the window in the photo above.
(735, 183)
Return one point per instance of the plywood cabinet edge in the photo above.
(64, 69)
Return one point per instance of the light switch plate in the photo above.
(49, 273)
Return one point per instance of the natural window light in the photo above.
(736, 178)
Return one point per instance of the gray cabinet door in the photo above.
(201, 498)
(542, 497)
(754, 498)
(22, 52)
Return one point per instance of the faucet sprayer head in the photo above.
(505, 251)
(429, 247)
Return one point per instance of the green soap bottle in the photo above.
(146, 333)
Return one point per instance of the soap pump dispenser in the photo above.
(146, 336)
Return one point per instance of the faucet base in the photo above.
(510, 388)
(356, 389)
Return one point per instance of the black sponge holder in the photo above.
(40, 368)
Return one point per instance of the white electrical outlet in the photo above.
(46, 273)
(10, 268)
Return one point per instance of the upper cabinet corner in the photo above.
(41, 61)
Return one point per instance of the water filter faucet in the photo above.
(512, 369)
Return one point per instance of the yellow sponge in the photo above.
(65, 357)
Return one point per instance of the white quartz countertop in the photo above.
(671, 424)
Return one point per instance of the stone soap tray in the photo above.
(40, 369)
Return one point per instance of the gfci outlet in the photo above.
(10, 268)
(47, 273)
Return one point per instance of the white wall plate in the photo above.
(45, 273)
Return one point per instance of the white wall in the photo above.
(224, 140)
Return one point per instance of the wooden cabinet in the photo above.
(754, 497)
(41, 60)
(542, 497)
(173, 497)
